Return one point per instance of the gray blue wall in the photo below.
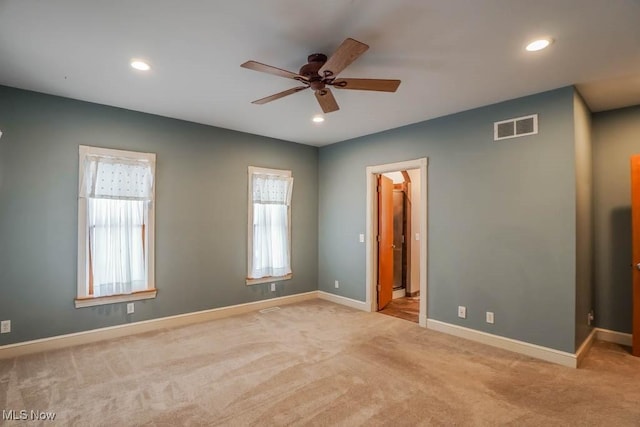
(201, 212)
(584, 217)
(616, 137)
(502, 217)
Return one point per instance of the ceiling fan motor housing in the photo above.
(310, 70)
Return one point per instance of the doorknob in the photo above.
(638, 266)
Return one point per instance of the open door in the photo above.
(385, 241)
(635, 238)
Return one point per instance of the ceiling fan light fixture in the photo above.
(140, 65)
(320, 73)
(539, 44)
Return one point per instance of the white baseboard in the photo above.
(539, 352)
(584, 348)
(621, 338)
(399, 293)
(358, 305)
(85, 337)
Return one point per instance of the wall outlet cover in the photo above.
(130, 308)
(462, 312)
(361, 238)
(337, 284)
(490, 318)
(5, 326)
(273, 287)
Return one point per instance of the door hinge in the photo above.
(378, 238)
(403, 238)
(377, 188)
(379, 288)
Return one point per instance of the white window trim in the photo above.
(82, 299)
(264, 171)
(271, 279)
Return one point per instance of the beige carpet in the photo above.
(317, 363)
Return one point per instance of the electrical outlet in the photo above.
(590, 318)
(273, 287)
(5, 326)
(462, 312)
(337, 284)
(130, 308)
(361, 238)
(490, 317)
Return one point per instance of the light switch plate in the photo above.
(361, 238)
(273, 287)
(130, 308)
(337, 284)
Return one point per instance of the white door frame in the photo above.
(372, 231)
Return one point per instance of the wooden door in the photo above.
(385, 241)
(635, 238)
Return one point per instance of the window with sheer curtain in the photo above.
(115, 226)
(269, 232)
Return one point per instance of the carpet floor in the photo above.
(317, 363)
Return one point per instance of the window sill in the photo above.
(270, 279)
(113, 299)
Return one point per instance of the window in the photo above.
(115, 226)
(269, 231)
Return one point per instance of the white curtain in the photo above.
(116, 178)
(116, 246)
(271, 246)
(118, 192)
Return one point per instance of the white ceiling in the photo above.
(451, 55)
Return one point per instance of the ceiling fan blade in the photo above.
(279, 95)
(264, 68)
(326, 100)
(348, 52)
(380, 85)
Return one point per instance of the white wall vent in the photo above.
(513, 128)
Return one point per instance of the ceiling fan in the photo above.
(320, 73)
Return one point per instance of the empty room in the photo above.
(301, 213)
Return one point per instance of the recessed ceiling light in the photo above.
(538, 44)
(140, 65)
(318, 119)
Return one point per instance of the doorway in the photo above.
(398, 282)
(397, 240)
